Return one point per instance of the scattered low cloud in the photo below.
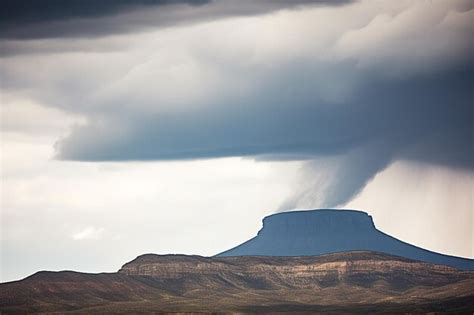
(88, 233)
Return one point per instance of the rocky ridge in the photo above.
(356, 282)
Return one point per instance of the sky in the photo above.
(175, 126)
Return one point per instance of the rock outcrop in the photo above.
(354, 282)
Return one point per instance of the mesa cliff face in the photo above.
(317, 232)
(310, 272)
(344, 264)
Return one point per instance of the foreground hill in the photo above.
(317, 232)
(335, 283)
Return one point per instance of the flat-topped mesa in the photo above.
(318, 221)
(317, 232)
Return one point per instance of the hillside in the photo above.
(337, 283)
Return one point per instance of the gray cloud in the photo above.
(428, 117)
(255, 88)
(32, 19)
(26, 19)
(330, 182)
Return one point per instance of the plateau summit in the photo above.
(318, 232)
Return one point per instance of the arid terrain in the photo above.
(353, 282)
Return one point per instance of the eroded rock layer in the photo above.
(336, 283)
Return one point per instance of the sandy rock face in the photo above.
(306, 272)
(340, 283)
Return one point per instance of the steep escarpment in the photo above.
(364, 268)
(318, 232)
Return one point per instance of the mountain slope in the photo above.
(337, 283)
(317, 232)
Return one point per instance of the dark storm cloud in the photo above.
(37, 19)
(425, 118)
(293, 89)
(29, 19)
(26, 11)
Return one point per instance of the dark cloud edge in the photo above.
(29, 20)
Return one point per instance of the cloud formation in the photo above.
(355, 87)
(90, 232)
(26, 19)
